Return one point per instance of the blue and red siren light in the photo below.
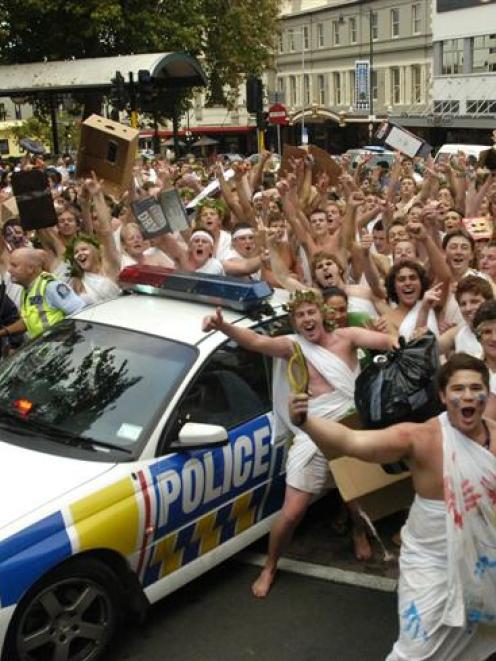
(229, 292)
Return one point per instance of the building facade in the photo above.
(319, 45)
(464, 68)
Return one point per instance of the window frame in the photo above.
(352, 23)
(416, 18)
(395, 24)
(320, 35)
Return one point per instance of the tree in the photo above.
(233, 38)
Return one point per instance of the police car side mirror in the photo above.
(196, 435)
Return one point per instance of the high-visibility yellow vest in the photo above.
(36, 313)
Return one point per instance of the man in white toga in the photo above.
(447, 586)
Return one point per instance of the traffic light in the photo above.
(262, 121)
(254, 95)
(147, 91)
(118, 96)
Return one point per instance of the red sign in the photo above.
(278, 114)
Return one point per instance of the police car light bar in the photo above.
(226, 291)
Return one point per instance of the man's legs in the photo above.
(295, 505)
(361, 544)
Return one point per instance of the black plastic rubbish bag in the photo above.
(399, 386)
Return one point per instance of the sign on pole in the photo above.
(278, 114)
(362, 85)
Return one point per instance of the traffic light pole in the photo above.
(133, 101)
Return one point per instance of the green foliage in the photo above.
(33, 128)
(232, 38)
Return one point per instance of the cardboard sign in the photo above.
(399, 139)
(480, 228)
(174, 211)
(108, 149)
(325, 163)
(150, 217)
(34, 199)
(289, 152)
(487, 159)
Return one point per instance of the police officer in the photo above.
(44, 300)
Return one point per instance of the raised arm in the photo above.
(336, 440)
(277, 347)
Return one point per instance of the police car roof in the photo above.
(166, 317)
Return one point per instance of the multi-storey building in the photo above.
(319, 45)
(464, 82)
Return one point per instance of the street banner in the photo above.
(362, 85)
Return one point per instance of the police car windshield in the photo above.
(93, 381)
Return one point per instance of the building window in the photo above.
(320, 35)
(484, 53)
(416, 18)
(416, 84)
(482, 106)
(353, 30)
(321, 90)
(335, 33)
(292, 90)
(4, 146)
(374, 25)
(280, 88)
(395, 22)
(306, 89)
(452, 57)
(336, 79)
(373, 83)
(306, 37)
(280, 43)
(291, 41)
(450, 107)
(396, 85)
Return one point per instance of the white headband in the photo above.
(203, 235)
(243, 231)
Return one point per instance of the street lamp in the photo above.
(302, 86)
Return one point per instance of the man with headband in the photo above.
(199, 255)
(447, 585)
(244, 258)
(332, 367)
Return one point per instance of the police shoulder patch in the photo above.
(63, 290)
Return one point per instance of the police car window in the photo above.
(232, 387)
(94, 382)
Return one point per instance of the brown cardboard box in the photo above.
(8, 210)
(379, 493)
(108, 149)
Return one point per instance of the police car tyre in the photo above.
(70, 615)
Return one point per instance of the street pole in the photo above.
(371, 65)
(278, 129)
(302, 87)
(133, 101)
(53, 118)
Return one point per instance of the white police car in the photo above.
(136, 454)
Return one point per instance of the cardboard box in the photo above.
(325, 163)
(108, 149)
(8, 210)
(379, 493)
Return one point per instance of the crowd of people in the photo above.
(378, 253)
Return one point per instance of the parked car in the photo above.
(136, 454)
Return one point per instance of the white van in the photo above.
(452, 150)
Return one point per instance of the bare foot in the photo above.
(361, 545)
(261, 587)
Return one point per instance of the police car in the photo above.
(136, 454)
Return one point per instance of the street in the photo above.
(304, 619)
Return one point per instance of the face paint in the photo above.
(456, 401)
(482, 398)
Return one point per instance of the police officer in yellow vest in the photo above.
(44, 300)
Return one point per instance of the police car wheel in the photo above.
(71, 615)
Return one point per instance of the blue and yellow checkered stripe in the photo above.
(180, 547)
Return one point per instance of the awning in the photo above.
(148, 133)
(175, 69)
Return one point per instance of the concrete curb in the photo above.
(324, 572)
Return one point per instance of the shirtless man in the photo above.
(307, 470)
(447, 594)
